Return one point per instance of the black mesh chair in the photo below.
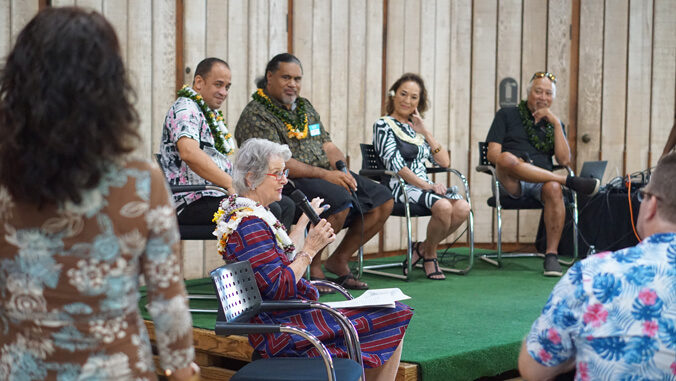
(240, 300)
(373, 168)
(498, 203)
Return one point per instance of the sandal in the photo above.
(415, 247)
(436, 267)
(354, 285)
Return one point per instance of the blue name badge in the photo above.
(314, 129)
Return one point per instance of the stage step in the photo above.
(220, 357)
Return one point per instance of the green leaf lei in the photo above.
(296, 129)
(212, 120)
(528, 122)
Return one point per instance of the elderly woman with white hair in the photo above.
(249, 232)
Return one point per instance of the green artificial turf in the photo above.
(465, 327)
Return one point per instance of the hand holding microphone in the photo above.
(302, 202)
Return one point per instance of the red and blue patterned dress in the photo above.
(380, 329)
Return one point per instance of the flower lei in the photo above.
(213, 119)
(240, 207)
(297, 129)
(528, 123)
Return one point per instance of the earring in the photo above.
(391, 93)
(253, 187)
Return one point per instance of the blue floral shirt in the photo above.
(615, 314)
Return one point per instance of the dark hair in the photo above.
(204, 67)
(273, 66)
(65, 107)
(422, 101)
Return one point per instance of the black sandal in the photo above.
(416, 245)
(436, 266)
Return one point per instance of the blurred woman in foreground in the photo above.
(80, 220)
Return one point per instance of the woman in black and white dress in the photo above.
(404, 144)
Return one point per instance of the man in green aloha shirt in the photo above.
(277, 113)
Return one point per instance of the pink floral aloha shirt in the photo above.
(185, 119)
(615, 313)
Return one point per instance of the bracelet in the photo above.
(303, 254)
(437, 149)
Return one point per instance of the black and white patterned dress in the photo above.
(397, 154)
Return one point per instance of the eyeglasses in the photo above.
(279, 175)
(543, 74)
(642, 193)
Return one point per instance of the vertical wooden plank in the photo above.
(302, 42)
(534, 51)
(639, 73)
(163, 68)
(116, 13)
(412, 26)
(322, 69)
(258, 44)
(96, 5)
(140, 64)
(278, 37)
(373, 61)
(396, 19)
(459, 90)
(194, 37)
(482, 104)
(63, 3)
(355, 119)
(591, 79)
(616, 27)
(664, 78)
(337, 121)
(237, 26)
(394, 231)
(558, 53)
(509, 65)
(5, 30)
(21, 12)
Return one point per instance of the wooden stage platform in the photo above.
(220, 357)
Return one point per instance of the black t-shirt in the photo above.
(507, 129)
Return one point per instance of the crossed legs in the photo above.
(512, 170)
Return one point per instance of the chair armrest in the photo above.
(197, 188)
(488, 169)
(370, 173)
(226, 329)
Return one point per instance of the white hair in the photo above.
(254, 157)
(530, 86)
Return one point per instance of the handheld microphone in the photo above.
(302, 202)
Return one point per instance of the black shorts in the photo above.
(370, 194)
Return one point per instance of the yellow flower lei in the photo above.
(297, 129)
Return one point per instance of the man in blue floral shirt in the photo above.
(196, 146)
(612, 316)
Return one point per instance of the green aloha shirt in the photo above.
(257, 121)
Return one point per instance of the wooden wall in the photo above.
(615, 62)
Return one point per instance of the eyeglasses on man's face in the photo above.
(279, 175)
(642, 195)
(543, 74)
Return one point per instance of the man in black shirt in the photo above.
(521, 143)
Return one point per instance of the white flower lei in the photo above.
(239, 207)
